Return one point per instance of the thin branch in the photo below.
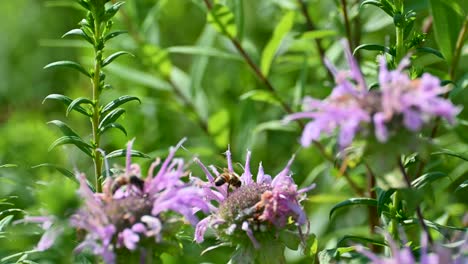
(318, 41)
(418, 208)
(347, 25)
(372, 211)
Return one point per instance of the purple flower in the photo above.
(351, 108)
(258, 210)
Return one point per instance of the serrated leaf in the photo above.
(427, 178)
(67, 101)
(280, 32)
(77, 141)
(62, 170)
(222, 19)
(114, 34)
(77, 103)
(112, 10)
(79, 32)
(123, 152)
(111, 117)
(431, 51)
(118, 102)
(262, 96)
(113, 125)
(114, 56)
(66, 130)
(353, 201)
(376, 47)
(68, 64)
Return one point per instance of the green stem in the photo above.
(97, 159)
(400, 45)
(347, 25)
(394, 221)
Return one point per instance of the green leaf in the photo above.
(69, 64)
(118, 102)
(383, 198)
(114, 56)
(451, 153)
(113, 125)
(112, 10)
(275, 125)
(5, 221)
(62, 170)
(311, 247)
(318, 34)
(385, 6)
(280, 32)
(222, 19)
(219, 127)
(81, 33)
(67, 101)
(111, 117)
(376, 47)
(73, 140)
(204, 51)
(157, 58)
(8, 165)
(421, 181)
(123, 153)
(262, 96)
(431, 51)
(462, 186)
(361, 239)
(139, 77)
(439, 228)
(353, 201)
(290, 239)
(66, 130)
(447, 22)
(114, 34)
(77, 103)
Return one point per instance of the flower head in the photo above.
(128, 213)
(351, 108)
(255, 212)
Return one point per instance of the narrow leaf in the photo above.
(383, 199)
(8, 165)
(114, 56)
(462, 186)
(204, 51)
(123, 152)
(79, 32)
(113, 125)
(221, 17)
(451, 153)
(111, 117)
(118, 102)
(77, 103)
(353, 201)
(66, 130)
(280, 32)
(112, 10)
(67, 101)
(62, 170)
(5, 221)
(77, 141)
(275, 125)
(431, 51)
(69, 64)
(376, 47)
(114, 34)
(427, 178)
(262, 96)
(361, 239)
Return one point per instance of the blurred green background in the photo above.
(213, 111)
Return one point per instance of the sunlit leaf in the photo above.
(262, 96)
(114, 34)
(114, 56)
(79, 32)
(118, 102)
(375, 47)
(222, 19)
(112, 125)
(111, 117)
(219, 127)
(427, 178)
(123, 153)
(77, 103)
(67, 101)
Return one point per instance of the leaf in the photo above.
(275, 125)
(439, 228)
(112, 10)
(111, 117)
(353, 201)
(383, 199)
(113, 125)
(427, 178)
(462, 186)
(62, 170)
(8, 165)
(5, 221)
(262, 96)
(79, 32)
(114, 56)
(280, 32)
(451, 153)
(118, 102)
(77, 141)
(224, 244)
(66, 130)
(67, 101)
(157, 58)
(123, 152)
(361, 239)
(114, 34)
(77, 103)
(204, 51)
(219, 127)
(222, 19)
(373, 47)
(431, 51)
(139, 77)
(385, 6)
(69, 64)
(447, 23)
(318, 34)
(311, 247)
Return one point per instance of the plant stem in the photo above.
(96, 94)
(418, 208)
(372, 211)
(318, 41)
(400, 44)
(347, 25)
(394, 222)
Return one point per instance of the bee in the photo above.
(126, 180)
(231, 178)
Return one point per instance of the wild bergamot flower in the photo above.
(254, 215)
